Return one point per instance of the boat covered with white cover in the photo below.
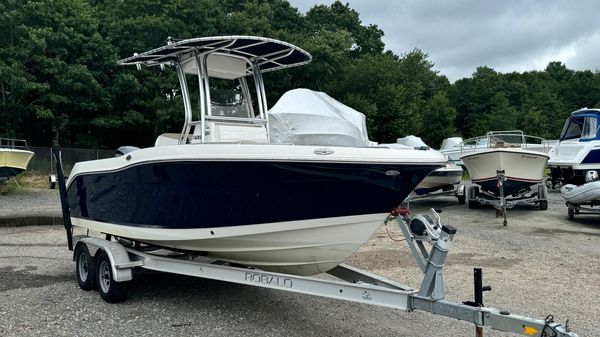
(450, 142)
(225, 189)
(444, 178)
(581, 194)
(588, 193)
(307, 117)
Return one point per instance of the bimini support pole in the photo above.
(62, 188)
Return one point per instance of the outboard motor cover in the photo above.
(591, 176)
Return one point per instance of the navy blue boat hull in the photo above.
(207, 194)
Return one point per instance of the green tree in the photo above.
(438, 120)
(502, 116)
(58, 72)
(533, 122)
(472, 99)
(337, 16)
(54, 67)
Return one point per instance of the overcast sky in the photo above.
(460, 35)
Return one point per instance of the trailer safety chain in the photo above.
(387, 220)
(549, 331)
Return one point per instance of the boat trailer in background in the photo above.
(457, 191)
(583, 208)
(107, 264)
(501, 203)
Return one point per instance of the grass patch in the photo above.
(27, 179)
(466, 175)
(33, 179)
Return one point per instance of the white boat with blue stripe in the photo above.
(578, 149)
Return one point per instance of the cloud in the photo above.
(508, 36)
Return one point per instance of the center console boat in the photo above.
(220, 188)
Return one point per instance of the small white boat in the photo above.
(584, 198)
(444, 178)
(588, 193)
(14, 157)
(522, 168)
(581, 194)
(455, 147)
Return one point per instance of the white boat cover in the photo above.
(306, 117)
(581, 194)
(450, 142)
(412, 141)
(394, 146)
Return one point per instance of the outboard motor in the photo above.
(123, 150)
(426, 227)
(591, 176)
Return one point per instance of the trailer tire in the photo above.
(84, 268)
(110, 290)
(543, 205)
(472, 192)
(461, 199)
(571, 213)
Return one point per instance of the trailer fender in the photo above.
(460, 190)
(120, 262)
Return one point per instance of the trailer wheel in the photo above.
(84, 268)
(110, 290)
(543, 205)
(571, 214)
(461, 199)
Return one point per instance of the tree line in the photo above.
(59, 79)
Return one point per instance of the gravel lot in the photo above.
(540, 264)
(29, 206)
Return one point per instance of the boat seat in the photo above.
(167, 139)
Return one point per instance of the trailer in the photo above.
(457, 191)
(536, 196)
(107, 264)
(584, 208)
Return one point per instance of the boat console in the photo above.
(220, 72)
